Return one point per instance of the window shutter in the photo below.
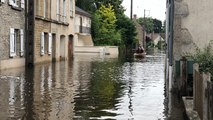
(50, 44)
(11, 2)
(12, 42)
(21, 42)
(22, 4)
(42, 43)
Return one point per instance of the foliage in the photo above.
(157, 28)
(205, 59)
(103, 27)
(125, 29)
(147, 23)
(160, 44)
(128, 30)
(92, 5)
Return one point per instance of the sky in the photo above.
(154, 8)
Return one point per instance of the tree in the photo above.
(157, 26)
(147, 23)
(103, 27)
(128, 30)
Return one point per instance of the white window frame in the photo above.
(12, 42)
(22, 4)
(44, 8)
(64, 11)
(42, 44)
(50, 43)
(71, 8)
(13, 3)
(58, 10)
(2, 1)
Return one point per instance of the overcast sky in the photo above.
(154, 8)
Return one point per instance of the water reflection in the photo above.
(87, 88)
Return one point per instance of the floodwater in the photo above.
(91, 87)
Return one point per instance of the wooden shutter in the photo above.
(50, 44)
(21, 42)
(12, 42)
(42, 43)
(22, 4)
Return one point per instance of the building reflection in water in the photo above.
(43, 92)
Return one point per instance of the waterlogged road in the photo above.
(87, 88)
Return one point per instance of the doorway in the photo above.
(70, 47)
(62, 47)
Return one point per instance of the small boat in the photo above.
(140, 55)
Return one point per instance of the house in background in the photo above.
(82, 28)
(12, 33)
(155, 37)
(140, 33)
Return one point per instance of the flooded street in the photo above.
(90, 87)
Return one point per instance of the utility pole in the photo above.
(144, 28)
(131, 9)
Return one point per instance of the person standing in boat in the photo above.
(140, 49)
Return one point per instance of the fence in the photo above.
(202, 93)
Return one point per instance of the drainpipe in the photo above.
(171, 21)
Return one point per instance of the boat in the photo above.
(140, 55)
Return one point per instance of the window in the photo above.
(2, 1)
(58, 10)
(17, 3)
(46, 43)
(64, 11)
(71, 8)
(37, 7)
(16, 42)
(45, 8)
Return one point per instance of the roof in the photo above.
(81, 12)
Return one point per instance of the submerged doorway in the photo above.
(53, 47)
(70, 47)
(62, 47)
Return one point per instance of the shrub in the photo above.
(205, 59)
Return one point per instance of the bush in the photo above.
(205, 59)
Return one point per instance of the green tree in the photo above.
(147, 23)
(103, 27)
(157, 28)
(128, 30)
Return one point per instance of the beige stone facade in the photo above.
(54, 30)
(140, 33)
(82, 28)
(192, 26)
(12, 33)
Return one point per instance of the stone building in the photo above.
(53, 31)
(12, 33)
(140, 32)
(188, 28)
(82, 28)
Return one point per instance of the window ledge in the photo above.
(51, 20)
(16, 8)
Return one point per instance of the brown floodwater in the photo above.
(89, 87)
